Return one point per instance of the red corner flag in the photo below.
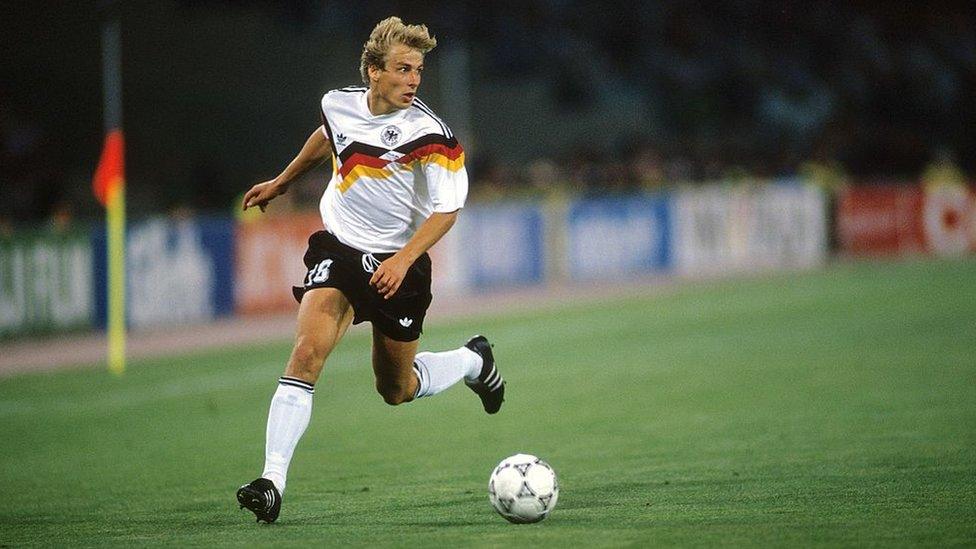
(110, 175)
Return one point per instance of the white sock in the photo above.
(291, 409)
(438, 371)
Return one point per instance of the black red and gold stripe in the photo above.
(359, 159)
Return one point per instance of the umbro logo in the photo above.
(406, 322)
(341, 139)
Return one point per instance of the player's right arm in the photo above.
(316, 150)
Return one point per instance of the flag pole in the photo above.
(113, 184)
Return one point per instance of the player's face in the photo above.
(395, 85)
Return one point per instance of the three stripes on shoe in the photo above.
(269, 498)
(493, 381)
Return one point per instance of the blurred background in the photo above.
(726, 250)
(699, 138)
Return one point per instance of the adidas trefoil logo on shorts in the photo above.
(406, 322)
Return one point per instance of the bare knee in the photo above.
(393, 364)
(306, 360)
(394, 393)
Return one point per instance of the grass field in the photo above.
(832, 408)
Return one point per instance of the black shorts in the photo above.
(332, 264)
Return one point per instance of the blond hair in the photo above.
(388, 32)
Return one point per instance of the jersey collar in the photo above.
(364, 103)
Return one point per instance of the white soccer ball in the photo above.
(523, 489)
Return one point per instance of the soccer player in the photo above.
(398, 182)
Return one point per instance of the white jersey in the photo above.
(390, 172)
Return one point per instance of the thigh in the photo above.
(402, 317)
(393, 360)
(323, 317)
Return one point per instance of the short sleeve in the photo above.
(447, 178)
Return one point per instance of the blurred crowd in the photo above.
(750, 89)
(836, 91)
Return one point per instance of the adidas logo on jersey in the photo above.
(406, 322)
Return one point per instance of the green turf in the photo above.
(832, 408)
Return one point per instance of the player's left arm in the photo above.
(390, 274)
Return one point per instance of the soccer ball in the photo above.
(523, 489)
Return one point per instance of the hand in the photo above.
(262, 193)
(389, 275)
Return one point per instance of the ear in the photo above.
(373, 72)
